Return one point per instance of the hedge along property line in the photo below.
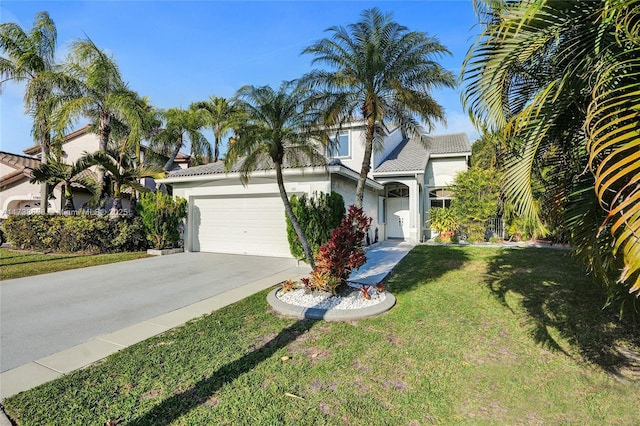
(90, 233)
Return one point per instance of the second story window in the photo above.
(340, 147)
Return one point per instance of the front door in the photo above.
(398, 218)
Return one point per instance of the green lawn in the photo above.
(478, 336)
(18, 264)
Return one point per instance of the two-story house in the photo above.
(19, 196)
(408, 177)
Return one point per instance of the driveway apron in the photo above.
(45, 314)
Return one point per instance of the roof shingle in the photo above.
(411, 155)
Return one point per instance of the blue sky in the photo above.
(178, 52)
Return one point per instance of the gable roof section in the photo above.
(19, 161)
(35, 149)
(409, 155)
(22, 165)
(412, 155)
(456, 143)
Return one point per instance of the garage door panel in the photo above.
(247, 225)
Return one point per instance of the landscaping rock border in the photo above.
(332, 314)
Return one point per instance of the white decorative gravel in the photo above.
(321, 300)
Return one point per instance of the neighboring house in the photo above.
(18, 196)
(407, 179)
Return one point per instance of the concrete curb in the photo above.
(4, 420)
(303, 312)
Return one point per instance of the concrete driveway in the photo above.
(46, 314)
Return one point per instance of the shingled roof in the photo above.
(412, 155)
(218, 168)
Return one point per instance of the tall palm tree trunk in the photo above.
(292, 217)
(366, 164)
(169, 164)
(69, 206)
(216, 147)
(44, 186)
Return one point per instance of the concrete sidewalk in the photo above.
(381, 258)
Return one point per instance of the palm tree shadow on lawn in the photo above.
(565, 306)
(178, 405)
(424, 264)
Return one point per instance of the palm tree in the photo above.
(182, 127)
(382, 72)
(97, 91)
(30, 58)
(121, 173)
(56, 171)
(562, 78)
(221, 115)
(274, 135)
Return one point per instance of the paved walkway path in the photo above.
(210, 285)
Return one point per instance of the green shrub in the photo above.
(161, 215)
(341, 254)
(317, 216)
(476, 200)
(442, 220)
(84, 233)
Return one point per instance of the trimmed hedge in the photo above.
(317, 216)
(86, 233)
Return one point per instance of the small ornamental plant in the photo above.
(288, 286)
(341, 254)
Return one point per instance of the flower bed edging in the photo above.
(331, 314)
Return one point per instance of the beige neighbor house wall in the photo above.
(75, 145)
(20, 197)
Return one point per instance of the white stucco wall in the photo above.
(356, 150)
(222, 185)
(347, 188)
(442, 171)
(257, 185)
(390, 143)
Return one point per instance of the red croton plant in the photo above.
(341, 254)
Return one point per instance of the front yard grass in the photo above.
(18, 264)
(478, 336)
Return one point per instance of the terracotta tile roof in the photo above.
(22, 165)
(19, 161)
(35, 149)
(412, 155)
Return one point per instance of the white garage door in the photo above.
(249, 225)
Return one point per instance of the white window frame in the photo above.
(333, 153)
